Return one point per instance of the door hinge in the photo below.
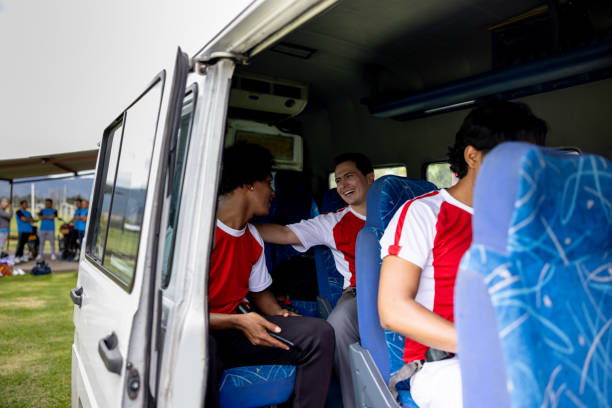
(133, 381)
(199, 64)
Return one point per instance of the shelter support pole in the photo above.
(8, 239)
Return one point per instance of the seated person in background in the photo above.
(47, 228)
(423, 245)
(24, 229)
(337, 231)
(238, 268)
(5, 222)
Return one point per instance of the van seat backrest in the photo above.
(330, 281)
(533, 298)
(385, 197)
(292, 203)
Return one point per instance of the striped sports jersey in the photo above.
(433, 232)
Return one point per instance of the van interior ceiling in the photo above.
(345, 68)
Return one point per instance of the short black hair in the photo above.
(361, 162)
(244, 163)
(78, 199)
(489, 125)
(49, 200)
(23, 201)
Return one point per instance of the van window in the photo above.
(182, 145)
(393, 170)
(121, 189)
(440, 174)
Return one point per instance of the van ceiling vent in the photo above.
(264, 94)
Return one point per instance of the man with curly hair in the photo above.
(423, 245)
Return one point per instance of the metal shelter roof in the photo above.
(51, 164)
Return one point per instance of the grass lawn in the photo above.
(36, 335)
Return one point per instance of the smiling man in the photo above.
(338, 231)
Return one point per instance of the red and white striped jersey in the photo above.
(337, 231)
(433, 232)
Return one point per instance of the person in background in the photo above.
(74, 234)
(24, 229)
(81, 221)
(47, 228)
(421, 250)
(5, 222)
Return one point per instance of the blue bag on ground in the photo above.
(41, 268)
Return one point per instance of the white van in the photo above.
(360, 75)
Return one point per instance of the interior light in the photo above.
(453, 106)
(293, 50)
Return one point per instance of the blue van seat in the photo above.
(329, 280)
(380, 351)
(256, 386)
(533, 298)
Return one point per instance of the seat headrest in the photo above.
(293, 201)
(388, 193)
(525, 194)
(332, 201)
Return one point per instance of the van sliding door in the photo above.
(188, 234)
(114, 293)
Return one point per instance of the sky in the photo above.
(69, 67)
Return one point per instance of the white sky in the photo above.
(69, 67)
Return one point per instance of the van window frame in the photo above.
(192, 90)
(94, 215)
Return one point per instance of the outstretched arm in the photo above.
(277, 234)
(400, 312)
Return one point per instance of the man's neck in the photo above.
(232, 211)
(463, 191)
(360, 209)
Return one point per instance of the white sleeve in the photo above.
(260, 279)
(414, 242)
(315, 231)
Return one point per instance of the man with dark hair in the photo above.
(338, 231)
(47, 228)
(239, 335)
(24, 229)
(421, 250)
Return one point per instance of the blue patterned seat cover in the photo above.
(256, 386)
(385, 197)
(533, 300)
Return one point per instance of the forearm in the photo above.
(410, 318)
(266, 303)
(277, 234)
(222, 321)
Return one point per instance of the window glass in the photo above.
(111, 154)
(128, 202)
(399, 170)
(440, 174)
(184, 135)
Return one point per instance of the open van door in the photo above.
(113, 297)
(141, 317)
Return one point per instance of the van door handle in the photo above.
(77, 296)
(108, 348)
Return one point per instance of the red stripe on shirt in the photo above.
(396, 247)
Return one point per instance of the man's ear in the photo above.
(370, 177)
(248, 187)
(473, 157)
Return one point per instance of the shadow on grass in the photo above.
(37, 331)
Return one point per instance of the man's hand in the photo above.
(287, 313)
(255, 328)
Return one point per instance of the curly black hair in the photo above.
(361, 161)
(489, 125)
(244, 163)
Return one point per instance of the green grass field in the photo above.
(36, 335)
